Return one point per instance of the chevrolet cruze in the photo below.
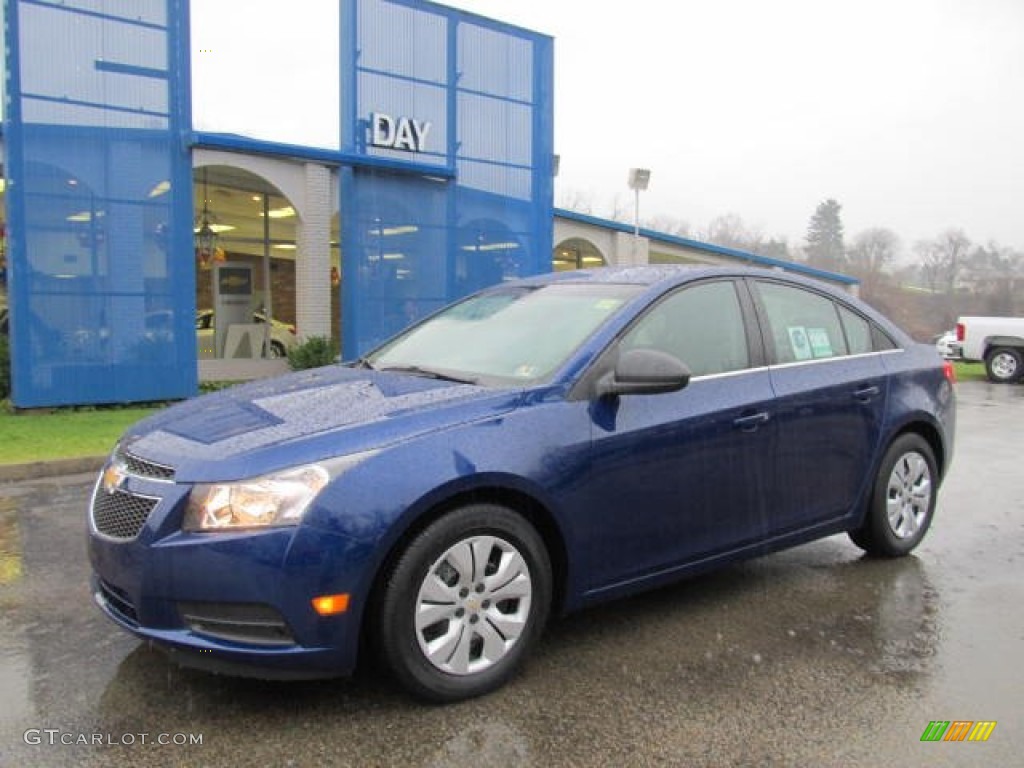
(533, 449)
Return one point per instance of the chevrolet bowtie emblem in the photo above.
(113, 478)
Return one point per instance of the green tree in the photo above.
(825, 248)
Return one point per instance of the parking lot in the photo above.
(815, 656)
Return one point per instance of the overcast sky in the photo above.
(910, 113)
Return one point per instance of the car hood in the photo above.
(252, 429)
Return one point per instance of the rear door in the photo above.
(830, 389)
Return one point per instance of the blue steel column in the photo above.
(452, 150)
(350, 245)
(183, 266)
(14, 170)
(543, 154)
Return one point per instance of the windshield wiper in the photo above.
(429, 373)
(362, 362)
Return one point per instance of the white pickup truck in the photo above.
(998, 341)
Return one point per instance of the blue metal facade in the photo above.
(99, 196)
(412, 242)
(99, 201)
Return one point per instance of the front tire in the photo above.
(902, 500)
(1004, 365)
(464, 603)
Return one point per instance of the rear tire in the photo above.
(464, 603)
(1004, 365)
(902, 501)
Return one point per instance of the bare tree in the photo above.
(872, 252)
(729, 231)
(670, 225)
(576, 200)
(942, 259)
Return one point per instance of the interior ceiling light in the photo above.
(285, 246)
(205, 235)
(403, 229)
(491, 247)
(162, 188)
(85, 216)
(280, 213)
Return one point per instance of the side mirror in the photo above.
(644, 372)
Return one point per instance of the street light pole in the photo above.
(639, 178)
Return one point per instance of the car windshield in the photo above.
(510, 335)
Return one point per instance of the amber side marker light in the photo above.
(950, 371)
(329, 605)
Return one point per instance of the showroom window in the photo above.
(702, 325)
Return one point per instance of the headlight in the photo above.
(272, 500)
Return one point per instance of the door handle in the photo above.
(752, 421)
(866, 394)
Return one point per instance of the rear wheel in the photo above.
(1004, 365)
(902, 500)
(464, 603)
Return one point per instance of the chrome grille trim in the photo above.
(140, 467)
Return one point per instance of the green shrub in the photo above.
(314, 352)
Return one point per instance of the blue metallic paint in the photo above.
(622, 489)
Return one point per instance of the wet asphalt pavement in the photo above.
(815, 656)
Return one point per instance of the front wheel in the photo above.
(902, 500)
(464, 603)
(1004, 365)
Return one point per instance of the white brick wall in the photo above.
(313, 255)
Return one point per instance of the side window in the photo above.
(803, 325)
(858, 332)
(702, 325)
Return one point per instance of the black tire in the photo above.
(457, 564)
(277, 349)
(902, 501)
(1004, 365)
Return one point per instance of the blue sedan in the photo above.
(533, 449)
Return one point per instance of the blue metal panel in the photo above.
(485, 88)
(100, 200)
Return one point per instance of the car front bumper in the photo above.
(230, 602)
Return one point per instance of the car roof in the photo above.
(663, 274)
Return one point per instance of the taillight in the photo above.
(949, 371)
(959, 331)
(291, 330)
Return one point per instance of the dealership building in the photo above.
(169, 189)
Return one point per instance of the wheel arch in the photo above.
(992, 342)
(931, 435)
(495, 492)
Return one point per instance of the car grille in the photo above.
(120, 515)
(142, 468)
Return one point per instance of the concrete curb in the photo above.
(13, 473)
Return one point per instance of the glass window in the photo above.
(858, 331)
(512, 335)
(702, 325)
(802, 325)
